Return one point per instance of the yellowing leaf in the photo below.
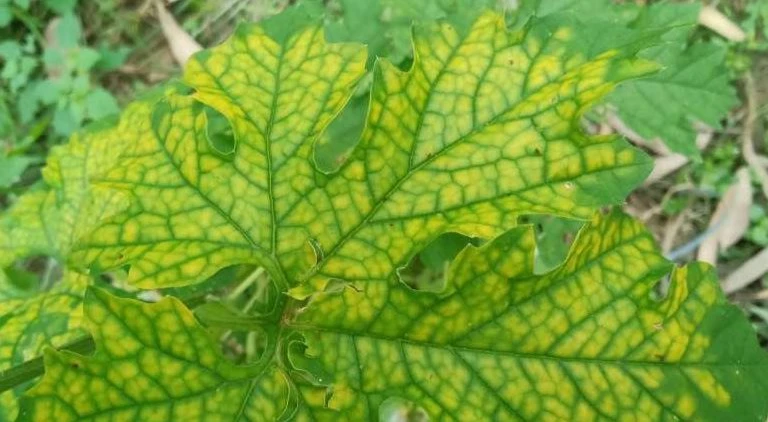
(198, 208)
(482, 129)
(28, 325)
(586, 341)
(152, 362)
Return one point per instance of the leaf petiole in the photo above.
(31, 369)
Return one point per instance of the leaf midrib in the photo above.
(523, 355)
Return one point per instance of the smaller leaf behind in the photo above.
(693, 84)
(48, 221)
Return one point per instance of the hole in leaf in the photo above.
(243, 347)
(396, 409)
(335, 144)
(336, 285)
(660, 290)
(22, 279)
(317, 250)
(426, 271)
(554, 237)
(214, 284)
(307, 366)
(219, 132)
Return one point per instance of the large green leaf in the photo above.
(384, 26)
(693, 87)
(483, 128)
(586, 341)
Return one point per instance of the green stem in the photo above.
(252, 277)
(32, 369)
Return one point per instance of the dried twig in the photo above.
(755, 161)
(655, 145)
(183, 46)
(711, 18)
(672, 229)
(748, 272)
(731, 218)
(668, 164)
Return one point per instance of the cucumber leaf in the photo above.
(483, 128)
(585, 341)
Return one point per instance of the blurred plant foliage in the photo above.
(48, 81)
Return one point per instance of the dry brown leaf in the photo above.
(183, 46)
(730, 220)
(748, 272)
